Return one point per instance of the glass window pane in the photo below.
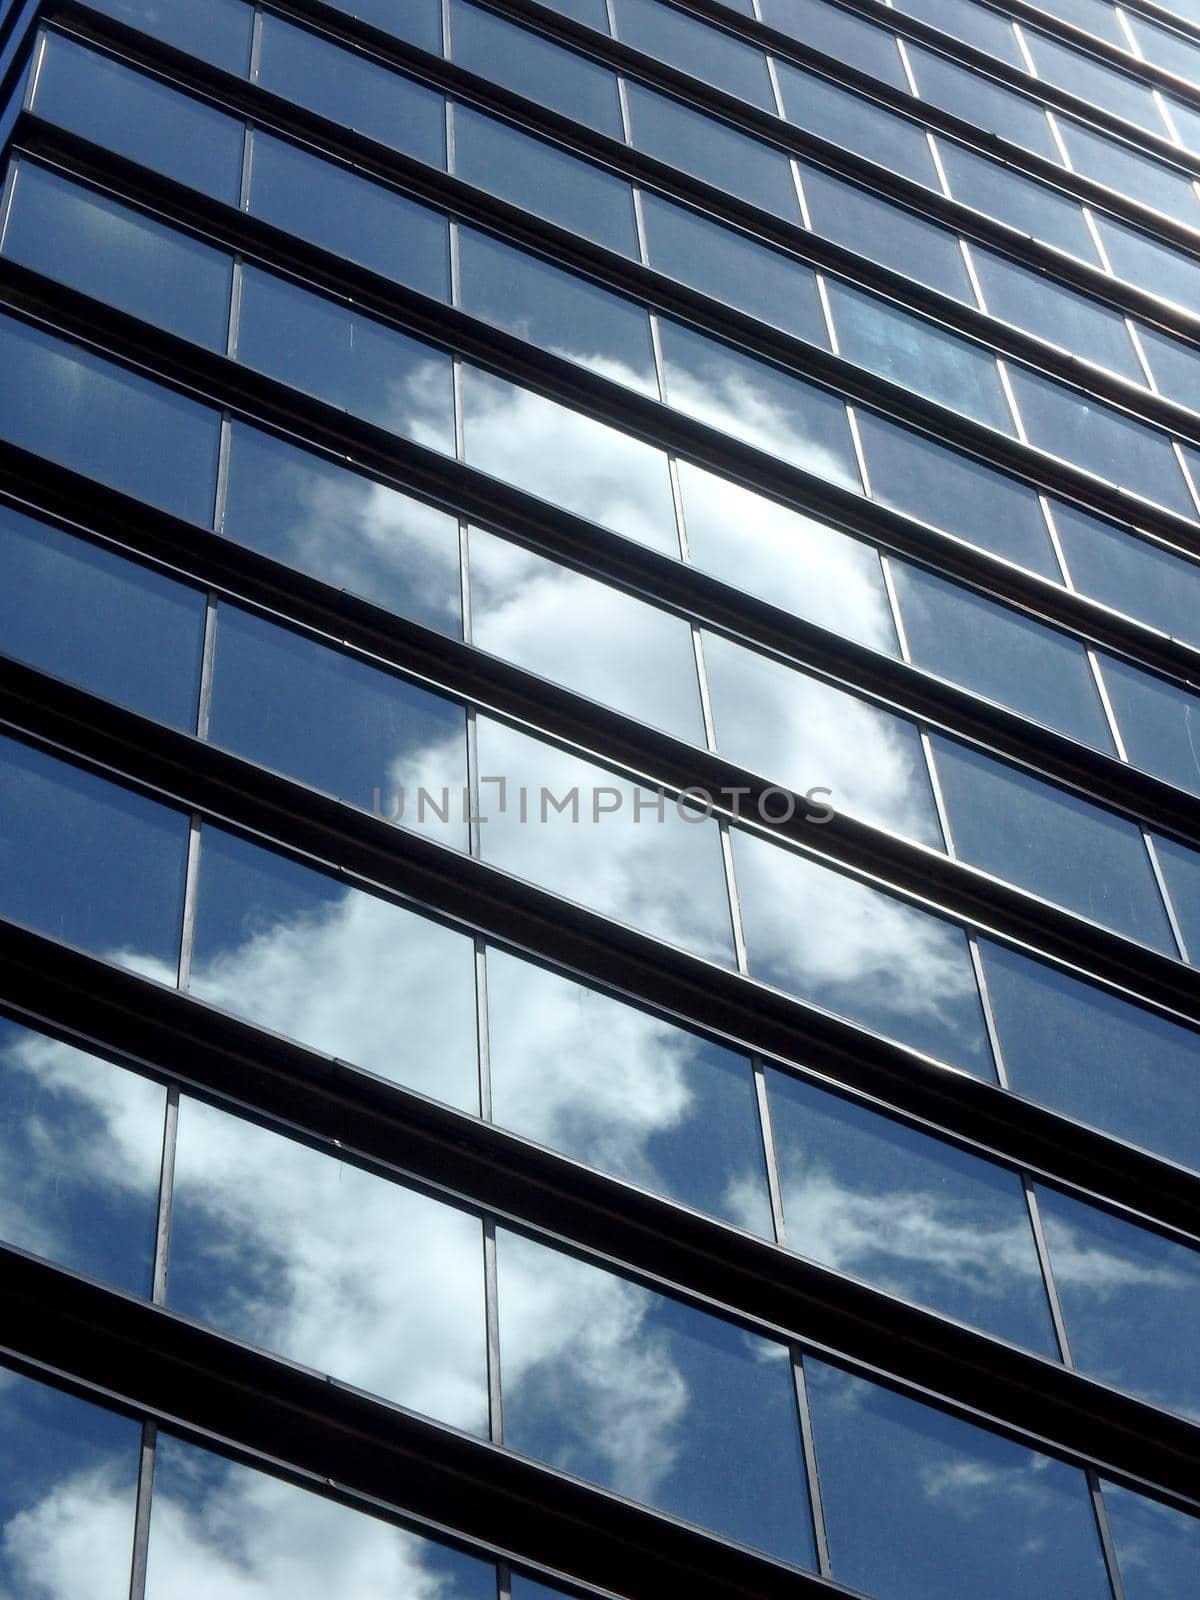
(290, 1250)
(1164, 46)
(1098, 17)
(585, 635)
(1159, 722)
(418, 21)
(1131, 574)
(349, 360)
(1095, 1056)
(82, 1145)
(569, 459)
(88, 862)
(1176, 367)
(803, 733)
(338, 723)
(733, 268)
(911, 1214)
(1118, 167)
(344, 972)
(592, 13)
(1181, 869)
(1155, 267)
(62, 401)
(91, 243)
(215, 30)
(348, 88)
(1158, 1548)
(651, 1398)
(998, 652)
(558, 311)
(1031, 207)
(1050, 842)
(920, 1505)
(760, 404)
(840, 34)
(544, 180)
(581, 831)
(950, 491)
(852, 949)
(532, 65)
(625, 1091)
(691, 45)
(975, 24)
(1095, 82)
(342, 212)
(1130, 1298)
(713, 151)
(981, 102)
(786, 558)
(348, 531)
(851, 123)
(78, 611)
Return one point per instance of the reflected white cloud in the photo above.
(75, 1540)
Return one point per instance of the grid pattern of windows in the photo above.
(600, 798)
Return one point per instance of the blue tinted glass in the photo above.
(88, 862)
(1131, 574)
(139, 118)
(975, 24)
(1033, 301)
(244, 1531)
(1158, 1548)
(1158, 722)
(788, 418)
(1051, 842)
(296, 1252)
(592, 13)
(873, 227)
(1176, 367)
(418, 21)
(651, 1398)
(1000, 653)
(733, 268)
(918, 355)
(911, 1214)
(69, 1475)
(332, 351)
(335, 722)
(922, 1506)
(1098, 17)
(1086, 1052)
(692, 46)
(1094, 82)
(712, 151)
(1130, 1298)
(64, 402)
(953, 492)
(1165, 47)
(349, 89)
(1101, 440)
(557, 310)
(1118, 167)
(855, 950)
(82, 1141)
(981, 102)
(851, 123)
(345, 214)
(1153, 266)
(1181, 869)
(1032, 208)
(345, 972)
(544, 180)
(346, 530)
(91, 243)
(84, 614)
(531, 65)
(839, 34)
(625, 1091)
(215, 30)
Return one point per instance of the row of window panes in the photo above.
(603, 1377)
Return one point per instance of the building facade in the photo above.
(600, 799)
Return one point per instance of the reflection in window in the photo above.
(651, 1398)
(344, 972)
(1175, 365)
(1181, 869)
(1131, 574)
(1117, 166)
(1153, 266)
(215, 30)
(1159, 722)
(625, 1091)
(840, 34)
(1032, 208)
(1158, 1548)
(1095, 82)
(982, 102)
(418, 21)
(974, 24)
(691, 45)
(852, 123)
(328, 1265)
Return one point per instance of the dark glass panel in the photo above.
(1095, 82)
(974, 24)
(346, 214)
(348, 88)
(1097, 17)
(334, 352)
(418, 21)
(347, 530)
(1120, 168)
(1131, 574)
(1181, 869)
(91, 243)
(345, 972)
(840, 34)
(915, 1216)
(1130, 1298)
(544, 180)
(81, 1141)
(691, 45)
(532, 65)
(982, 102)
(592, 13)
(625, 1091)
(215, 30)
(82, 613)
(1030, 207)
(1153, 266)
(559, 311)
(1176, 367)
(651, 1398)
(920, 1505)
(1050, 842)
(91, 863)
(62, 401)
(336, 722)
(852, 123)
(1001, 653)
(1158, 1548)
(1032, 301)
(1158, 722)
(850, 948)
(328, 1265)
